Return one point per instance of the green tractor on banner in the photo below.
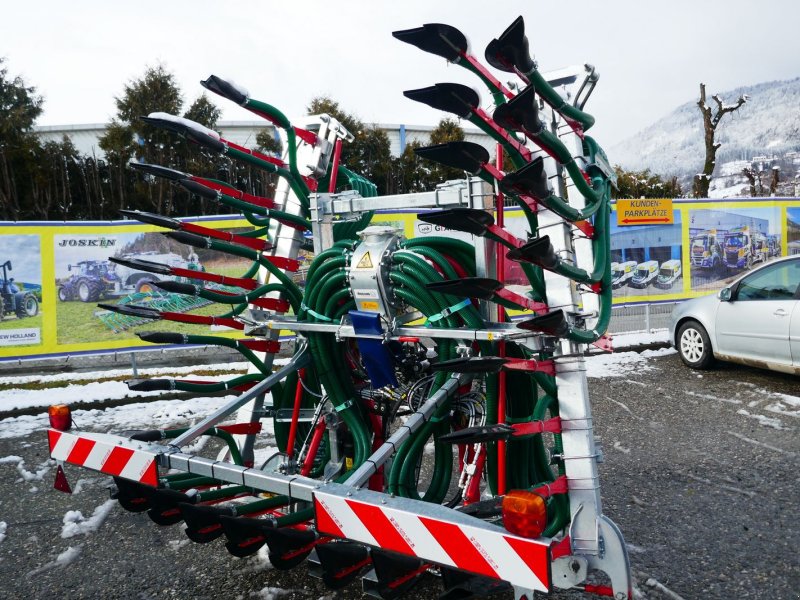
(420, 428)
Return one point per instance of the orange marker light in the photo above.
(524, 513)
(60, 417)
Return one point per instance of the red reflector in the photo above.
(60, 417)
(61, 483)
(524, 513)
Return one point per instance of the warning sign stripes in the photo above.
(106, 457)
(489, 552)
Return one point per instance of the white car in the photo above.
(754, 321)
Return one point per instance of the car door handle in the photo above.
(780, 313)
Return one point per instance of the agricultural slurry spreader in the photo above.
(420, 428)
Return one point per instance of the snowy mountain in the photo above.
(768, 124)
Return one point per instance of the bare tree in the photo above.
(754, 179)
(711, 120)
(774, 180)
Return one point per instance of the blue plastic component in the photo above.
(374, 353)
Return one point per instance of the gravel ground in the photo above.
(701, 475)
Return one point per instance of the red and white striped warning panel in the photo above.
(433, 533)
(107, 454)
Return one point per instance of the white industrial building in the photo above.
(85, 137)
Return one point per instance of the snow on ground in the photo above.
(76, 524)
(621, 364)
(631, 340)
(67, 557)
(165, 414)
(112, 373)
(157, 414)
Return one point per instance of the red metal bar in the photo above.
(268, 346)
(559, 486)
(485, 72)
(532, 427)
(316, 439)
(528, 303)
(520, 364)
(337, 155)
(226, 236)
(202, 320)
(298, 399)
(234, 193)
(248, 284)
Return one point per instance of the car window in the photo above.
(776, 282)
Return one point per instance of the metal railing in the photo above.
(640, 318)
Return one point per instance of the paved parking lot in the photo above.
(701, 475)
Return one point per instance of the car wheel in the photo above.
(694, 346)
(145, 286)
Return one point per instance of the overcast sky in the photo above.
(651, 56)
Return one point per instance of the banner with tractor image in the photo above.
(54, 275)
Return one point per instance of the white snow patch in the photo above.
(76, 524)
(185, 122)
(10, 459)
(62, 560)
(621, 448)
(127, 372)
(762, 419)
(272, 593)
(630, 340)
(618, 364)
(156, 414)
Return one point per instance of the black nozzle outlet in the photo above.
(530, 180)
(158, 171)
(150, 385)
(162, 337)
(131, 310)
(553, 323)
(142, 265)
(225, 89)
(470, 220)
(450, 97)
(195, 187)
(472, 287)
(538, 251)
(520, 114)
(466, 156)
(437, 38)
(176, 287)
(510, 51)
(190, 133)
(191, 239)
(152, 218)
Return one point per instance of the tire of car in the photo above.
(694, 346)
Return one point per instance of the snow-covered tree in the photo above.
(711, 120)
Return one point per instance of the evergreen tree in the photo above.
(19, 148)
(644, 184)
(128, 138)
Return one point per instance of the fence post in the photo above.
(133, 364)
(647, 317)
